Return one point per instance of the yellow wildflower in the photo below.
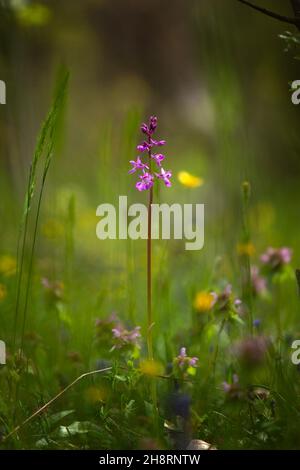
(152, 368)
(246, 249)
(96, 394)
(8, 265)
(188, 180)
(204, 301)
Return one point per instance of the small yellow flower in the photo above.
(152, 368)
(204, 301)
(3, 292)
(246, 249)
(188, 180)
(8, 265)
(96, 394)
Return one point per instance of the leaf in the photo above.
(63, 314)
(191, 371)
(286, 274)
(237, 319)
(129, 408)
(53, 419)
(42, 443)
(78, 427)
(198, 444)
(121, 378)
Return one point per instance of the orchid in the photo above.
(145, 183)
(158, 158)
(145, 146)
(165, 176)
(157, 143)
(137, 165)
(148, 177)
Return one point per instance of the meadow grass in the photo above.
(66, 385)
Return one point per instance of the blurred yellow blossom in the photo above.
(8, 265)
(188, 180)
(204, 301)
(246, 249)
(152, 368)
(3, 292)
(96, 394)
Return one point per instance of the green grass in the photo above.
(51, 331)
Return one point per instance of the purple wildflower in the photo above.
(223, 299)
(227, 386)
(193, 361)
(137, 165)
(259, 283)
(148, 177)
(125, 337)
(146, 183)
(144, 128)
(158, 158)
(232, 389)
(165, 175)
(145, 146)
(257, 323)
(149, 129)
(54, 289)
(103, 327)
(157, 143)
(182, 360)
(275, 258)
(152, 124)
(252, 351)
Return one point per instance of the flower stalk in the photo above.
(149, 268)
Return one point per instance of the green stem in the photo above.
(28, 285)
(217, 346)
(149, 268)
(149, 298)
(19, 279)
(246, 264)
(149, 278)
